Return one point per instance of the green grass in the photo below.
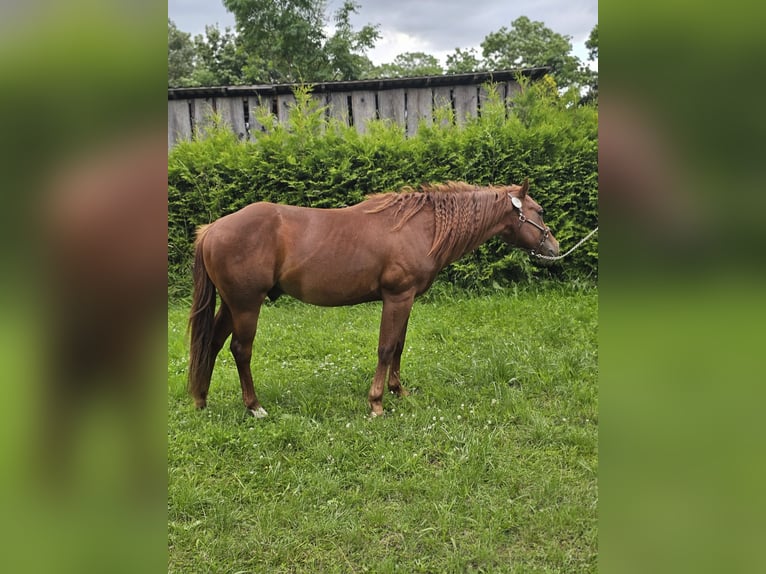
(489, 466)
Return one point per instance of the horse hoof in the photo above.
(258, 413)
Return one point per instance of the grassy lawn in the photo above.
(490, 465)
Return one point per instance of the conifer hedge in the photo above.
(313, 161)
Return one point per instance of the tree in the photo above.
(592, 44)
(219, 60)
(345, 48)
(591, 75)
(462, 61)
(285, 40)
(531, 44)
(180, 56)
(410, 64)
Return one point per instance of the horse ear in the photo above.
(524, 187)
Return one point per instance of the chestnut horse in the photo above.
(390, 247)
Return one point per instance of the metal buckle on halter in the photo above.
(517, 204)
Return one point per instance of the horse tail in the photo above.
(201, 322)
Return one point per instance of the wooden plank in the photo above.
(362, 109)
(223, 109)
(466, 101)
(419, 107)
(391, 106)
(321, 100)
(259, 106)
(232, 112)
(484, 94)
(442, 98)
(512, 88)
(179, 122)
(202, 110)
(285, 102)
(339, 106)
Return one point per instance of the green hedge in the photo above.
(313, 161)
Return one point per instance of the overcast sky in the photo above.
(436, 27)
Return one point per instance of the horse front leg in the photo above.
(394, 382)
(393, 324)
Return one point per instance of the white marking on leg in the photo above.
(259, 413)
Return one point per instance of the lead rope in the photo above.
(556, 257)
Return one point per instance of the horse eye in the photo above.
(540, 211)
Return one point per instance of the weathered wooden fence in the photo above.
(405, 101)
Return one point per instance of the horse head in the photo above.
(524, 223)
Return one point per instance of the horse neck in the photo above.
(466, 228)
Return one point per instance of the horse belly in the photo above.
(331, 283)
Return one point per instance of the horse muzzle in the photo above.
(549, 246)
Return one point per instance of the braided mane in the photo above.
(462, 212)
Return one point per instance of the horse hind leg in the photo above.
(221, 331)
(245, 324)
